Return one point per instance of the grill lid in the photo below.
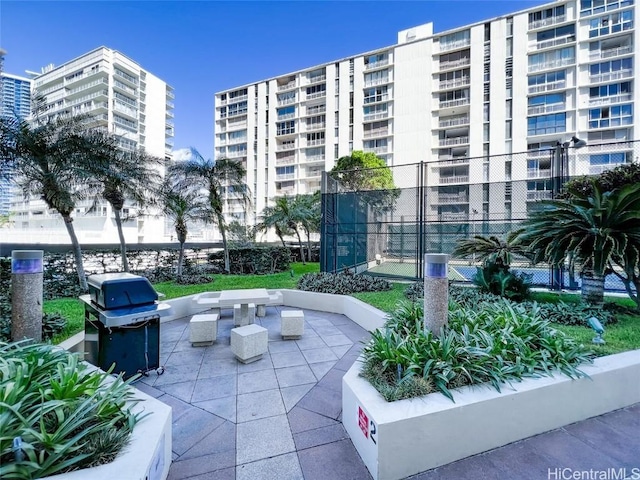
(119, 290)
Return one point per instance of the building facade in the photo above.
(517, 83)
(133, 104)
(15, 102)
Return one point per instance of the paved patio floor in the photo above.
(280, 417)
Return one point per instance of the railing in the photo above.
(315, 126)
(286, 160)
(313, 95)
(285, 147)
(532, 155)
(238, 154)
(613, 147)
(90, 73)
(445, 47)
(453, 122)
(241, 98)
(285, 190)
(102, 81)
(376, 99)
(315, 110)
(560, 62)
(122, 86)
(610, 52)
(375, 116)
(170, 105)
(314, 158)
(285, 176)
(454, 217)
(452, 198)
(554, 42)
(171, 95)
(119, 107)
(538, 172)
(286, 101)
(463, 62)
(313, 143)
(459, 82)
(286, 131)
(128, 78)
(539, 195)
(598, 169)
(454, 103)
(594, 102)
(453, 141)
(609, 76)
(551, 107)
(314, 174)
(233, 141)
(446, 160)
(378, 64)
(546, 87)
(316, 79)
(286, 116)
(376, 81)
(455, 179)
(378, 132)
(288, 86)
(547, 21)
(377, 150)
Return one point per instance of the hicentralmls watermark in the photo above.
(560, 473)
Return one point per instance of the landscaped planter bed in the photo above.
(402, 438)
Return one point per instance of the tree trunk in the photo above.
(282, 240)
(223, 232)
(123, 244)
(593, 288)
(77, 253)
(301, 247)
(180, 258)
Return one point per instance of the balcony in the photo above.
(378, 150)
(117, 84)
(610, 76)
(316, 142)
(286, 101)
(290, 160)
(455, 179)
(453, 198)
(170, 95)
(96, 83)
(170, 105)
(287, 86)
(378, 64)
(547, 87)
(283, 147)
(285, 132)
(560, 62)
(549, 108)
(238, 154)
(610, 52)
(539, 195)
(314, 158)
(376, 81)
(445, 47)
(285, 190)
(554, 42)
(545, 22)
(377, 132)
(375, 116)
(286, 116)
(239, 98)
(127, 78)
(538, 173)
(454, 217)
(537, 154)
(285, 176)
(77, 78)
(125, 109)
(454, 103)
(316, 79)
(598, 169)
(458, 82)
(463, 62)
(453, 122)
(611, 147)
(317, 110)
(311, 96)
(446, 142)
(596, 102)
(236, 140)
(313, 174)
(315, 126)
(448, 160)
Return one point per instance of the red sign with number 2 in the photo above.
(363, 421)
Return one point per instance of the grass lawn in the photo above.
(625, 335)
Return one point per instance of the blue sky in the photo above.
(201, 47)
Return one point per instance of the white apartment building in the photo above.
(133, 104)
(520, 82)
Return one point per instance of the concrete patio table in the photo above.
(258, 296)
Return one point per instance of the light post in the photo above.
(26, 294)
(560, 172)
(436, 292)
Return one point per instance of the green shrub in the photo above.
(341, 283)
(574, 314)
(253, 260)
(52, 324)
(61, 410)
(193, 279)
(496, 278)
(496, 344)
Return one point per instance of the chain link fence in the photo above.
(436, 204)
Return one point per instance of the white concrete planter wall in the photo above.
(148, 455)
(402, 438)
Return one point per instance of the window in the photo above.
(287, 112)
(315, 91)
(379, 144)
(546, 16)
(614, 23)
(509, 109)
(316, 122)
(237, 108)
(548, 78)
(549, 99)
(563, 56)
(236, 94)
(286, 98)
(605, 136)
(238, 135)
(315, 138)
(612, 90)
(564, 31)
(315, 153)
(456, 39)
(455, 58)
(624, 64)
(592, 7)
(507, 129)
(614, 116)
(375, 111)
(610, 158)
(286, 128)
(377, 94)
(376, 78)
(454, 95)
(544, 124)
(238, 150)
(378, 58)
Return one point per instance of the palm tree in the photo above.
(308, 209)
(49, 160)
(491, 249)
(271, 220)
(285, 212)
(596, 229)
(181, 205)
(221, 179)
(125, 176)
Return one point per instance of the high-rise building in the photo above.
(520, 82)
(133, 104)
(15, 102)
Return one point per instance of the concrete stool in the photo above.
(248, 343)
(244, 314)
(203, 329)
(292, 324)
(261, 311)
